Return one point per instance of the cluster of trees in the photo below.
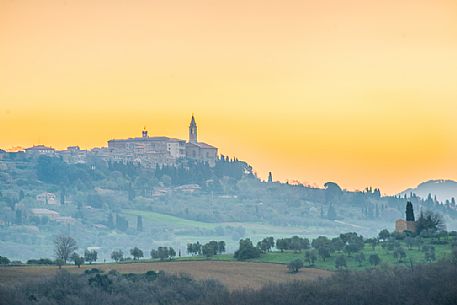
(65, 250)
(294, 243)
(266, 244)
(163, 253)
(347, 242)
(247, 250)
(352, 245)
(40, 261)
(186, 171)
(4, 260)
(323, 247)
(58, 172)
(209, 249)
(429, 221)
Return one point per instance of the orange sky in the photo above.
(359, 92)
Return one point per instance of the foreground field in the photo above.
(234, 275)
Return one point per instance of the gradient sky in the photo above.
(360, 92)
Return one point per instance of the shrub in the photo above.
(41, 261)
(4, 260)
(295, 265)
(340, 262)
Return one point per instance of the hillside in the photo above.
(112, 206)
(442, 189)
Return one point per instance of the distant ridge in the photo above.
(442, 189)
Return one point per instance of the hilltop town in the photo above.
(147, 151)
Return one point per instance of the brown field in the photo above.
(235, 275)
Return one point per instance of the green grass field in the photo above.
(169, 219)
(253, 230)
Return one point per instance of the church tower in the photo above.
(193, 130)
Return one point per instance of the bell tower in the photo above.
(193, 130)
(144, 133)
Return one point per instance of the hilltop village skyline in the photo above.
(158, 150)
(144, 150)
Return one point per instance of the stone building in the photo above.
(151, 151)
(199, 150)
(38, 150)
(147, 151)
(402, 225)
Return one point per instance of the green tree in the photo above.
(353, 246)
(311, 257)
(332, 192)
(221, 246)
(429, 253)
(210, 249)
(246, 250)
(324, 252)
(360, 258)
(373, 242)
(337, 244)
(78, 260)
(163, 253)
(430, 221)
(266, 244)
(136, 253)
(295, 265)
(399, 254)
(281, 244)
(59, 262)
(340, 262)
(4, 260)
(194, 248)
(374, 259)
(139, 223)
(171, 253)
(298, 243)
(384, 235)
(90, 256)
(409, 241)
(321, 241)
(117, 255)
(409, 211)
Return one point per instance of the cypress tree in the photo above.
(139, 223)
(409, 211)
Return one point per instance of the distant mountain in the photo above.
(442, 189)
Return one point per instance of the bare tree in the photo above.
(64, 247)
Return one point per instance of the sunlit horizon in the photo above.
(361, 93)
